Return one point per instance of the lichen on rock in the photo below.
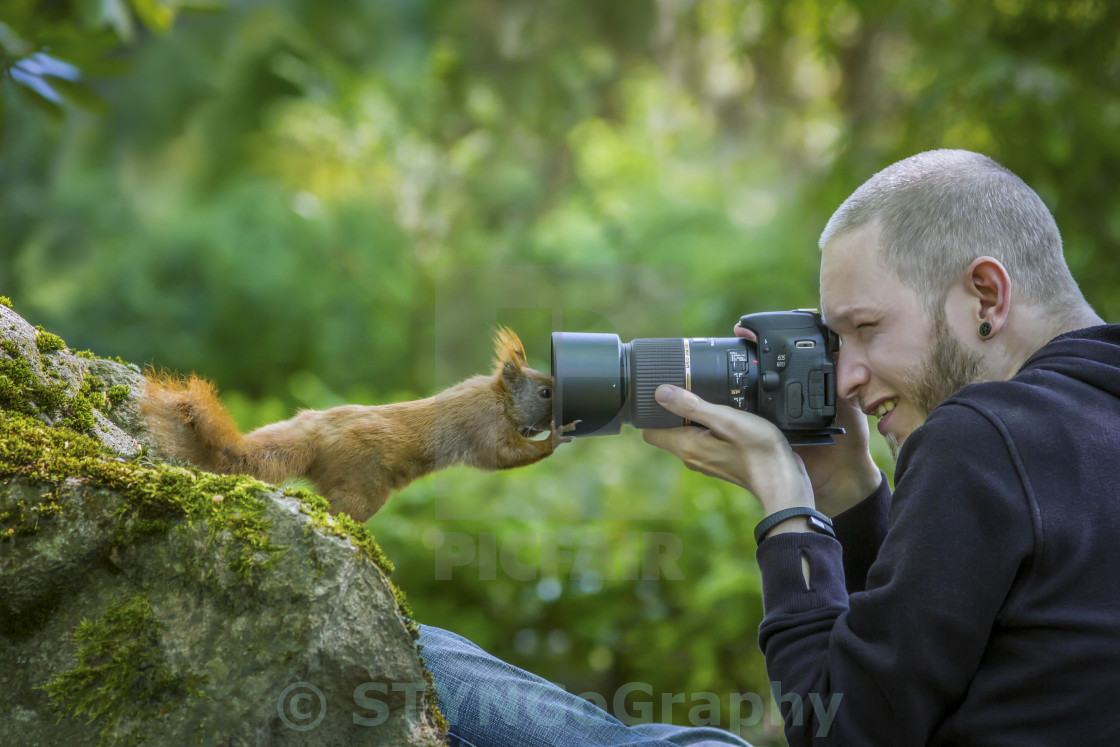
(142, 602)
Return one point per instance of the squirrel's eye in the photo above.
(545, 393)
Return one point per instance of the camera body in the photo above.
(787, 377)
(797, 379)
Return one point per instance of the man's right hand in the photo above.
(844, 474)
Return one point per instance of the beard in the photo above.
(947, 368)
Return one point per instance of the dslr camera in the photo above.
(787, 377)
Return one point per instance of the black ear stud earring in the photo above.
(985, 329)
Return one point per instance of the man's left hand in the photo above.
(737, 446)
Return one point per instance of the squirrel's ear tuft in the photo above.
(508, 348)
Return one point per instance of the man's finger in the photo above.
(662, 438)
(683, 442)
(684, 403)
(716, 418)
(723, 422)
(745, 333)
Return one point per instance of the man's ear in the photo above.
(987, 281)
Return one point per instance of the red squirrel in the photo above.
(356, 455)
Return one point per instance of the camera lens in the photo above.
(603, 382)
(788, 377)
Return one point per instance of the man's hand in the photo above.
(738, 447)
(844, 474)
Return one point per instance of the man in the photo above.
(981, 603)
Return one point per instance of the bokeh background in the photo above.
(317, 202)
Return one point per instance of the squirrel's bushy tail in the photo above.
(188, 421)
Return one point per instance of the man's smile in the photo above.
(881, 410)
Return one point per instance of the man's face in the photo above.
(895, 361)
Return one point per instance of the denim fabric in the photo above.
(490, 703)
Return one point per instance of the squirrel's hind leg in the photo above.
(360, 505)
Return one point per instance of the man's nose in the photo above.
(851, 373)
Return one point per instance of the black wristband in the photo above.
(818, 522)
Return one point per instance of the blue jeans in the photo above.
(489, 702)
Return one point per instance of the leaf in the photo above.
(38, 101)
(79, 48)
(114, 13)
(78, 94)
(154, 14)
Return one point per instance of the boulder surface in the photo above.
(150, 603)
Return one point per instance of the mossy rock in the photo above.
(146, 603)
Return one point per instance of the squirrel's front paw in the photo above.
(557, 433)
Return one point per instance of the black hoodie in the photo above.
(981, 603)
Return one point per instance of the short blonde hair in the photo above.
(941, 209)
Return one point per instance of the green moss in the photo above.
(48, 342)
(437, 715)
(318, 510)
(117, 394)
(92, 356)
(20, 390)
(155, 497)
(81, 417)
(23, 518)
(78, 410)
(5, 301)
(121, 675)
(93, 391)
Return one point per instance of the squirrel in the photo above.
(357, 455)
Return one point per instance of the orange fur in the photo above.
(358, 455)
(507, 347)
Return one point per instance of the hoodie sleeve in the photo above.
(861, 530)
(886, 664)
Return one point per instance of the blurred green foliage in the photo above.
(315, 203)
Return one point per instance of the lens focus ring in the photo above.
(656, 361)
